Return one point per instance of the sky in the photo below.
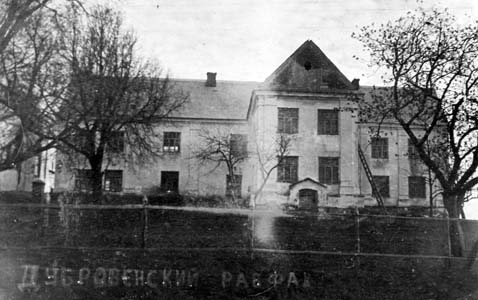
(248, 39)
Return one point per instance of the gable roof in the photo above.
(308, 69)
(227, 100)
(306, 179)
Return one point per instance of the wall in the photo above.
(306, 144)
(398, 167)
(194, 177)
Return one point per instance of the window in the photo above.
(412, 151)
(83, 180)
(416, 187)
(116, 142)
(287, 169)
(327, 122)
(233, 186)
(379, 147)
(169, 181)
(329, 170)
(288, 120)
(382, 184)
(171, 141)
(113, 181)
(238, 144)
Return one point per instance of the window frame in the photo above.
(417, 189)
(172, 144)
(412, 151)
(112, 174)
(331, 163)
(327, 122)
(83, 181)
(116, 142)
(379, 185)
(288, 120)
(379, 148)
(238, 145)
(288, 169)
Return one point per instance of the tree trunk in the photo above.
(96, 178)
(455, 232)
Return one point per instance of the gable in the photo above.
(307, 70)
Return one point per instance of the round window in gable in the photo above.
(307, 65)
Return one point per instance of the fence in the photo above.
(231, 247)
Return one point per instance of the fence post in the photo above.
(144, 231)
(357, 252)
(46, 213)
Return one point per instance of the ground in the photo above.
(223, 254)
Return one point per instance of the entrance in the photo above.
(307, 199)
(169, 181)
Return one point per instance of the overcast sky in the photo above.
(249, 39)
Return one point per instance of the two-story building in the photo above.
(307, 102)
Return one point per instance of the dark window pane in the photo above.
(288, 120)
(329, 170)
(417, 187)
(83, 180)
(238, 145)
(287, 169)
(327, 122)
(171, 141)
(380, 148)
(412, 151)
(116, 142)
(113, 180)
(382, 183)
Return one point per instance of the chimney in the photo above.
(355, 83)
(211, 79)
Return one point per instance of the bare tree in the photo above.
(115, 98)
(269, 157)
(223, 148)
(31, 76)
(32, 79)
(431, 66)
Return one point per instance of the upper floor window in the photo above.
(238, 144)
(288, 120)
(116, 141)
(383, 185)
(379, 147)
(412, 151)
(287, 169)
(327, 122)
(171, 141)
(329, 170)
(416, 187)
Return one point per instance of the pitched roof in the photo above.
(227, 100)
(308, 69)
(306, 179)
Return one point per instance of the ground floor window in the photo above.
(329, 170)
(416, 187)
(113, 181)
(383, 185)
(83, 180)
(233, 185)
(170, 180)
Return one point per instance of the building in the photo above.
(308, 102)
